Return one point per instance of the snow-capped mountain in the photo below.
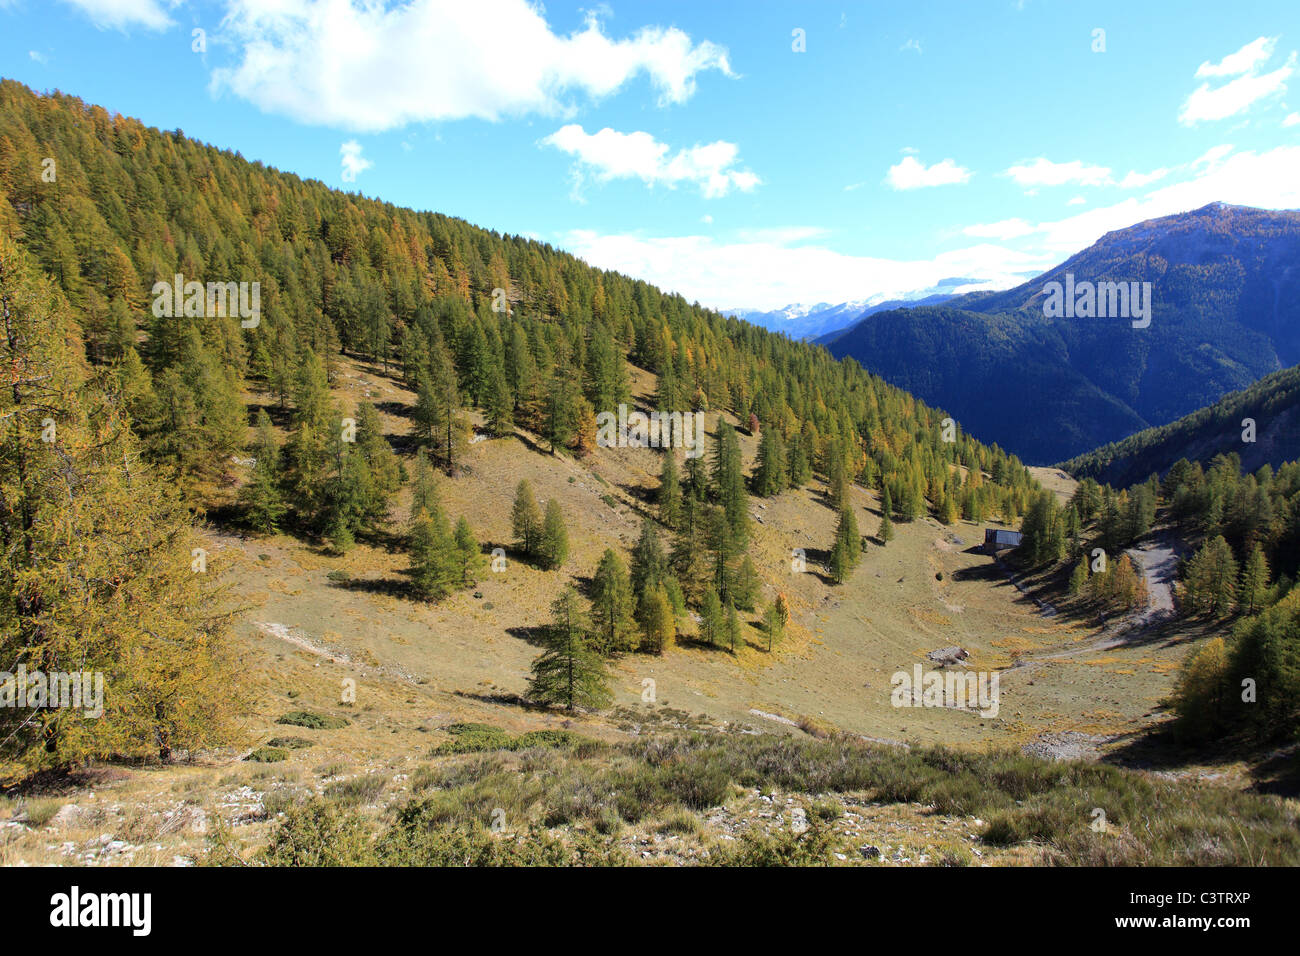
(818, 321)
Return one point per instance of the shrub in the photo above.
(313, 721)
(355, 791)
(268, 755)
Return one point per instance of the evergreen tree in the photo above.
(613, 626)
(649, 566)
(846, 533)
(435, 561)
(553, 545)
(774, 624)
(97, 555)
(712, 622)
(424, 485)
(670, 491)
(658, 626)
(1254, 581)
(886, 530)
(526, 519)
(1079, 576)
(729, 482)
(731, 627)
(500, 404)
(384, 468)
(770, 474)
(468, 552)
(1211, 579)
(744, 591)
(263, 503)
(568, 672)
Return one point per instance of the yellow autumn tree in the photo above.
(101, 570)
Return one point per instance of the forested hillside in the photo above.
(1239, 535)
(1225, 311)
(1261, 424)
(489, 331)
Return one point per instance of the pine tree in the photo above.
(670, 491)
(97, 555)
(1123, 583)
(435, 561)
(886, 530)
(568, 672)
(468, 552)
(612, 604)
(649, 566)
(424, 484)
(729, 483)
(770, 473)
(553, 545)
(657, 624)
(261, 498)
(839, 562)
(1254, 581)
(1079, 576)
(689, 559)
(774, 624)
(307, 452)
(731, 627)
(744, 590)
(846, 533)
(1211, 578)
(500, 404)
(712, 622)
(384, 468)
(526, 519)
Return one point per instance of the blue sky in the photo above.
(695, 145)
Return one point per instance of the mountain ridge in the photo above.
(1225, 312)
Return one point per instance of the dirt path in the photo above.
(1158, 563)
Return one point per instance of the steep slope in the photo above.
(1272, 403)
(1010, 375)
(1225, 285)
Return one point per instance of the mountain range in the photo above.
(825, 320)
(1225, 311)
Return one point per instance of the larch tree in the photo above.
(568, 672)
(101, 571)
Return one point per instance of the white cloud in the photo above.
(1213, 155)
(768, 274)
(362, 65)
(121, 14)
(1135, 180)
(1292, 120)
(767, 271)
(37, 56)
(1207, 103)
(353, 162)
(609, 154)
(1246, 60)
(1245, 178)
(911, 44)
(1044, 172)
(1004, 229)
(1077, 201)
(910, 173)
